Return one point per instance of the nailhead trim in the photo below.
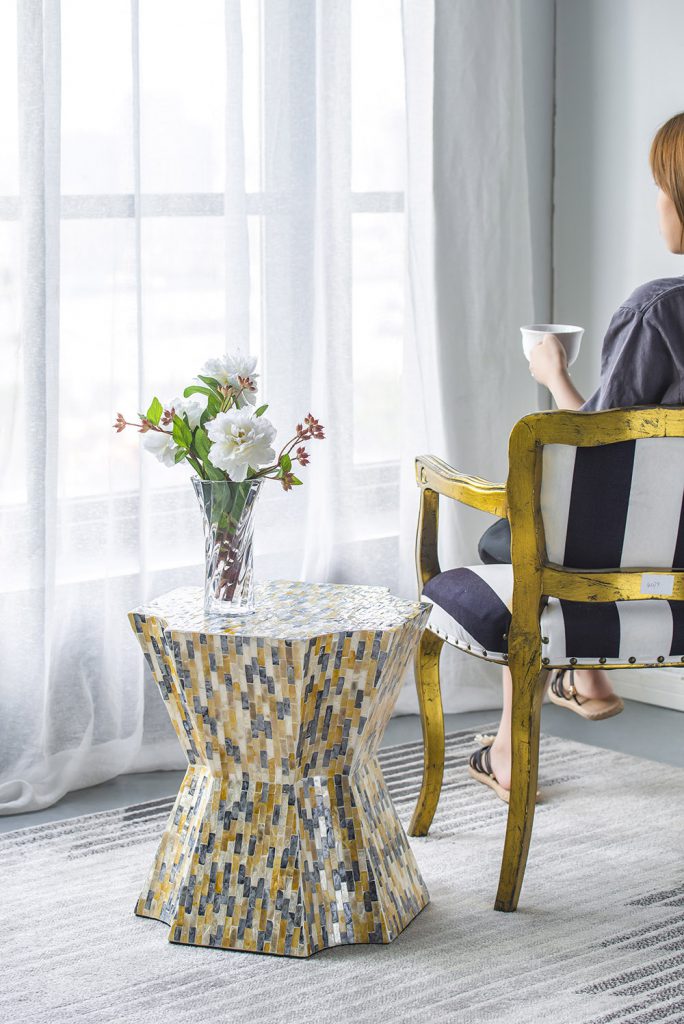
(632, 661)
(661, 659)
(573, 661)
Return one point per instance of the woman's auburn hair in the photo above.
(667, 161)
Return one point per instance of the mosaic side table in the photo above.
(283, 838)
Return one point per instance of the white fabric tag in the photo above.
(655, 583)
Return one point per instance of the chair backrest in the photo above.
(598, 491)
(595, 505)
(615, 505)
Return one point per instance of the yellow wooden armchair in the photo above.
(597, 524)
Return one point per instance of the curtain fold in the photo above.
(332, 306)
(234, 197)
(469, 271)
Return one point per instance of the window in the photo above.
(145, 127)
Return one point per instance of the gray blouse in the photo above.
(642, 359)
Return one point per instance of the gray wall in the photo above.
(620, 73)
(537, 27)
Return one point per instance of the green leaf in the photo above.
(202, 443)
(197, 389)
(239, 500)
(212, 410)
(182, 434)
(154, 413)
(296, 481)
(261, 410)
(212, 383)
(180, 455)
(285, 463)
(213, 473)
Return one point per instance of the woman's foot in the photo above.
(593, 684)
(587, 692)
(500, 758)
(497, 759)
(490, 764)
(481, 769)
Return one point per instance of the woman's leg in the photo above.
(495, 547)
(501, 747)
(589, 682)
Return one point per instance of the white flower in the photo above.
(226, 370)
(193, 408)
(162, 446)
(241, 441)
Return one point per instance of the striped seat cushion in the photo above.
(472, 607)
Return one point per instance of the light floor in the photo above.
(642, 730)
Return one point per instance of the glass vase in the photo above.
(228, 520)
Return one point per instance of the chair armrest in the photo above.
(435, 475)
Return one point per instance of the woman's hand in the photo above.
(548, 361)
(549, 366)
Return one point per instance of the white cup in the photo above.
(570, 338)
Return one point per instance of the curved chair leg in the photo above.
(432, 723)
(528, 690)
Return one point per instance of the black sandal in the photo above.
(592, 708)
(480, 767)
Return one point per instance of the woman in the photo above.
(642, 363)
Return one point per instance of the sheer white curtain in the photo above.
(182, 179)
(470, 270)
(178, 180)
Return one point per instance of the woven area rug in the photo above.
(598, 938)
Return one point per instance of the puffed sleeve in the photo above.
(636, 365)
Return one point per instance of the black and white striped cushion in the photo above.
(612, 506)
(472, 608)
(615, 505)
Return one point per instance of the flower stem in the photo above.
(194, 462)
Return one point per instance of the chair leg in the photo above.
(432, 723)
(528, 691)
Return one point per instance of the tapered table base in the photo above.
(283, 838)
